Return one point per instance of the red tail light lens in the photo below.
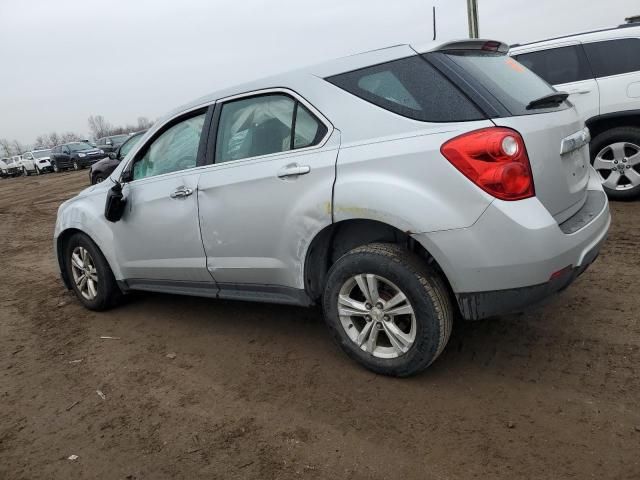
(495, 159)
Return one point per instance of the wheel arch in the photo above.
(602, 123)
(338, 238)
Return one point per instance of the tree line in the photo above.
(98, 127)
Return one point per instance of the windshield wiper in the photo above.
(552, 100)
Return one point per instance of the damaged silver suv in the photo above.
(396, 188)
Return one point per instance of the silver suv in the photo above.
(601, 72)
(396, 188)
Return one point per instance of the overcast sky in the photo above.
(63, 60)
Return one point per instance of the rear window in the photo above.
(510, 82)
(614, 57)
(410, 87)
(558, 65)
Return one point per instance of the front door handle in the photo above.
(293, 170)
(181, 192)
(579, 91)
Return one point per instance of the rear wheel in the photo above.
(90, 275)
(99, 179)
(387, 309)
(55, 168)
(76, 166)
(616, 157)
(37, 170)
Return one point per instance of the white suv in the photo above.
(36, 161)
(600, 71)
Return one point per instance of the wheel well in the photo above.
(602, 123)
(339, 238)
(61, 243)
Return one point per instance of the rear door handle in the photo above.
(579, 91)
(181, 192)
(293, 170)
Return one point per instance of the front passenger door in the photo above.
(158, 238)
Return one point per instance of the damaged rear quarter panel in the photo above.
(405, 182)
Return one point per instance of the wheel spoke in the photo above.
(400, 340)
(612, 180)
(600, 163)
(395, 300)
(91, 288)
(634, 159)
(372, 283)
(80, 278)
(83, 282)
(352, 305)
(363, 336)
(372, 340)
(93, 275)
(618, 151)
(76, 261)
(632, 176)
(362, 285)
(401, 310)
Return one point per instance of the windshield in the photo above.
(513, 84)
(129, 144)
(76, 147)
(119, 139)
(41, 153)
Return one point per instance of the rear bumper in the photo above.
(508, 258)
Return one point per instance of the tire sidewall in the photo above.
(427, 324)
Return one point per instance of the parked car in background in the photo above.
(13, 165)
(74, 155)
(111, 143)
(4, 167)
(468, 188)
(36, 162)
(601, 72)
(101, 170)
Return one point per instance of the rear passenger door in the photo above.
(616, 65)
(567, 69)
(266, 192)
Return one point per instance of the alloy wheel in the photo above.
(76, 166)
(618, 165)
(377, 316)
(85, 274)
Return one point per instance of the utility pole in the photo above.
(472, 13)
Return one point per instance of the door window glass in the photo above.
(175, 149)
(308, 129)
(558, 65)
(614, 57)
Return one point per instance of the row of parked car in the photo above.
(102, 157)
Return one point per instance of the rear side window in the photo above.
(614, 57)
(410, 87)
(558, 65)
(510, 82)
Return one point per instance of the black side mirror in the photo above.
(113, 155)
(115, 204)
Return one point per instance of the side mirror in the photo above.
(115, 204)
(113, 155)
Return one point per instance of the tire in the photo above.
(37, 170)
(426, 294)
(76, 166)
(55, 168)
(99, 179)
(107, 292)
(25, 173)
(607, 163)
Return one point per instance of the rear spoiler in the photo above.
(480, 44)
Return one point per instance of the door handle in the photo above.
(293, 170)
(181, 192)
(579, 91)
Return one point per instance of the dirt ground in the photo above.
(259, 391)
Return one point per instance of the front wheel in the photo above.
(37, 170)
(615, 156)
(55, 168)
(388, 309)
(89, 273)
(76, 166)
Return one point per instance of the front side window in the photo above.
(614, 57)
(263, 125)
(558, 65)
(174, 150)
(128, 145)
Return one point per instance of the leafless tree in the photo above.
(99, 126)
(5, 147)
(69, 137)
(144, 123)
(18, 148)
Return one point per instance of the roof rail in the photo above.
(635, 23)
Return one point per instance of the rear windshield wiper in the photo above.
(552, 100)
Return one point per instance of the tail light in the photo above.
(495, 159)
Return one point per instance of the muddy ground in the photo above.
(259, 391)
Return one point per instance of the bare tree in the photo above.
(18, 147)
(69, 137)
(144, 123)
(5, 146)
(99, 126)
